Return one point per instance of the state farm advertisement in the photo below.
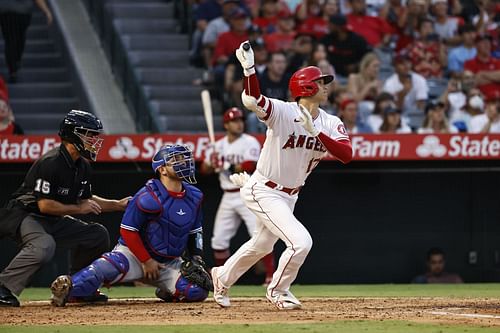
(141, 147)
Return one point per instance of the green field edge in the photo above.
(344, 326)
(479, 290)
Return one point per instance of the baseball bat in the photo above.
(246, 46)
(207, 111)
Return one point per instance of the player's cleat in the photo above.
(284, 301)
(97, 297)
(220, 291)
(60, 288)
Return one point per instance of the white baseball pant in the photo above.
(275, 220)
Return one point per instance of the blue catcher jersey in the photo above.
(163, 221)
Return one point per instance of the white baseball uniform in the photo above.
(289, 155)
(231, 208)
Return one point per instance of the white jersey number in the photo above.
(42, 186)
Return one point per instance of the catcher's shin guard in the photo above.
(109, 268)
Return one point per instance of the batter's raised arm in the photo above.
(251, 96)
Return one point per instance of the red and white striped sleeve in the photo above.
(252, 88)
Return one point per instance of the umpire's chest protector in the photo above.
(166, 235)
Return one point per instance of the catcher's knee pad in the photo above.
(186, 291)
(109, 268)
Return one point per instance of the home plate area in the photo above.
(478, 312)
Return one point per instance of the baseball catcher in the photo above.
(161, 239)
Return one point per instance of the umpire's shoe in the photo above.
(60, 288)
(6, 297)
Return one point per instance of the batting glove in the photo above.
(239, 179)
(305, 120)
(246, 59)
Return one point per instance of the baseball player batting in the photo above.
(235, 152)
(299, 135)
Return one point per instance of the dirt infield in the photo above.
(480, 312)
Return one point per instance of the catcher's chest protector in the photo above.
(167, 234)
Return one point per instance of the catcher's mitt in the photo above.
(193, 270)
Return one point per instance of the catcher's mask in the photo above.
(82, 129)
(180, 158)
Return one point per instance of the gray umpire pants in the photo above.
(38, 237)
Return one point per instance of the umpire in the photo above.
(38, 214)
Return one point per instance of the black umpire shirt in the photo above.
(53, 176)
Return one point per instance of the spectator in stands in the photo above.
(365, 85)
(383, 101)
(268, 16)
(392, 123)
(15, 18)
(317, 25)
(486, 19)
(453, 97)
(214, 28)
(436, 269)
(486, 68)
(435, 119)
(376, 31)
(474, 105)
(409, 89)
(274, 79)
(306, 9)
(394, 13)
(231, 40)
(445, 26)
(459, 55)
(300, 52)
(407, 23)
(345, 48)
(282, 39)
(226, 44)
(426, 53)
(8, 126)
(233, 77)
(489, 122)
(348, 113)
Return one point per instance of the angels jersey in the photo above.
(290, 153)
(245, 148)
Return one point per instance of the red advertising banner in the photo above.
(141, 147)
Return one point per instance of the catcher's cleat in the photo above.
(97, 297)
(60, 288)
(220, 291)
(284, 301)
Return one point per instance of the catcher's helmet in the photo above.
(232, 114)
(82, 129)
(180, 158)
(302, 83)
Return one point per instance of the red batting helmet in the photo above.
(302, 81)
(232, 114)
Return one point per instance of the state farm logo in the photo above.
(124, 147)
(431, 146)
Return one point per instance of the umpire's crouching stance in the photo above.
(37, 216)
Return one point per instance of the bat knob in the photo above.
(246, 46)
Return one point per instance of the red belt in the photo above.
(232, 190)
(290, 191)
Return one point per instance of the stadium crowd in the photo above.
(426, 66)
